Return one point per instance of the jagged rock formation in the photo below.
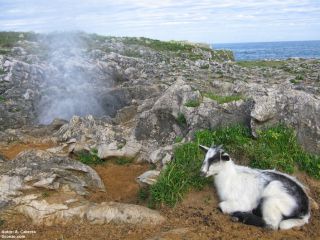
(148, 84)
(34, 170)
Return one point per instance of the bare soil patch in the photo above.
(12, 150)
(120, 182)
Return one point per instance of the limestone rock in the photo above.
(161, 155)
(39, 169)
(130, 150)
(160, 122)
(43, 213)
(123, 213)
(298, 109)
(148, 178)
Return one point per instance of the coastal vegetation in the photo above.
(192, 103)
(275, 148)
(223, 99)
(89, 157)
(262, 63)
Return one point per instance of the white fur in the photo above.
(241, 188)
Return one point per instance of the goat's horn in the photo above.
(204, 148)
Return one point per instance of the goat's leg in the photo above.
(271, 213)
(249, 219)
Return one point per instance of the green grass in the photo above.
(158, 45)
(192, 103)
(123, 161)
(299, 77)
(178, 139)
(131, 53)
(181, 119)
(2, 222)
(4, 51)
(2, 99)
(143, 194)
(265, 64)
(180, 49)
(9, 39)
(276, 148)
(89, 157)
(45, 194)
(223, 99)
(181, 174)
(204, 66)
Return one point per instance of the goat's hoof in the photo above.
(219, 209)
(234, 219)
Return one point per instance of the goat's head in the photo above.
(214, 160)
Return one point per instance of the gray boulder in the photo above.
(161, 122)
(148, 178)
(298, 109)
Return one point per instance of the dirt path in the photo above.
(196, 217)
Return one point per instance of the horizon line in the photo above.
(309, 40)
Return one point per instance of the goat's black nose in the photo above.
(202, 174)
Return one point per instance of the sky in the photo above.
(208, 21)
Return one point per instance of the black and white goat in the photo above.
(264, 198)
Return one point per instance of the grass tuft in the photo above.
(178, 139)
(181, 119)
(143, 194)
(181, 174)
(262, 63)
(90, 157)
(276, 148)
(192, 103)
(2, 222)
(223, 99)
(122, 161)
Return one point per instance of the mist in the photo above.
(69, 81)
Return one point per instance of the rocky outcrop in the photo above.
(129, 150)
(298, 109)
(43, 213)
(164, 121)
(144, 91)
(39, 170)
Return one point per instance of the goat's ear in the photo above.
(204, 148)
(225, 157)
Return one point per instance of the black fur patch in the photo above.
(294, 190)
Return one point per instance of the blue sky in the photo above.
(210, 21)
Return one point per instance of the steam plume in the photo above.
(69, 87)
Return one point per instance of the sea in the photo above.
(272, 50)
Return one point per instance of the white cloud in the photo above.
(203, 20)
